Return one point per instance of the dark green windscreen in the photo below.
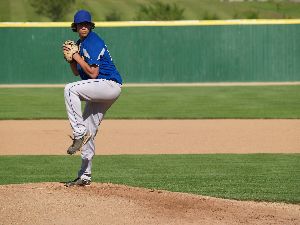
(230, 53)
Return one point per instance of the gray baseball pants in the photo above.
(99, 95)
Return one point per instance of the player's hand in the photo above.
(69, 49)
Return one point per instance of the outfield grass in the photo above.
(260, 177)
(252, 102)
(21, 10)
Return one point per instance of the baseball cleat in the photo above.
(78, 182)
(78, 143)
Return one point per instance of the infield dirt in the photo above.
(52, 203)
(50, 137)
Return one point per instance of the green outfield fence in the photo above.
(145, 52)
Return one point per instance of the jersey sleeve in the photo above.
(93, 52)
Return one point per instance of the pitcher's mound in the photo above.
(52, 203)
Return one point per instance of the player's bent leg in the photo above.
(100, 95)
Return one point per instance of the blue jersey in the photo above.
(94, 51)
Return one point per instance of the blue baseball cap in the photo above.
(82, 16)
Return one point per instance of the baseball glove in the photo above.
(69, 49)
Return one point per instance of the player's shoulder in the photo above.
(94, 39)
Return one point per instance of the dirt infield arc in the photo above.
(50, 137)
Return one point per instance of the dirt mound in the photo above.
(52, 203)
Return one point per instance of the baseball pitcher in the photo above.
(100, 87)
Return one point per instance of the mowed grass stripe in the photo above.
(260, 177)
(245, 102)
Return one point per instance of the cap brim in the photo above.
(84, 22)
(73, 26)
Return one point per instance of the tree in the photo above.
(53, 9)
(157, 10)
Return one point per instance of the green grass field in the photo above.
(260, 177)
(253, 102)
(20, 10)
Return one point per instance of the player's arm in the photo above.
(73, 66)
(91, 70)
